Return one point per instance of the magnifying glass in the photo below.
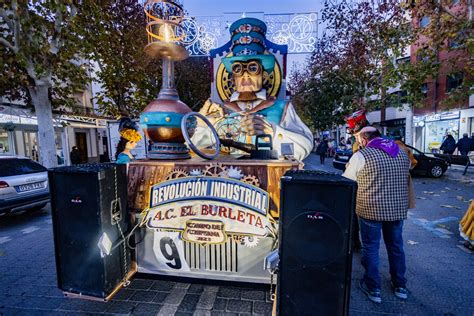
(195, 122)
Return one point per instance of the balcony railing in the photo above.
(79, 110)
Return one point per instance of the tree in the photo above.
(129, 78)
(40, 61)
(193, 81)
(360, 60)
(447, 30)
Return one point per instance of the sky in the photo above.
(212, 7)
(215, 7)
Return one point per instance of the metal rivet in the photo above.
(167, 119)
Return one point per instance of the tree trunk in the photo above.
(46, 135)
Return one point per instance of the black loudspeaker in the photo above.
(89, 202)
(315, 245)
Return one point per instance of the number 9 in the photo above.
(173, 256)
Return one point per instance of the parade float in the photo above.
(207, 196)
(220, 194)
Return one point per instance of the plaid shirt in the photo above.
(382, 193)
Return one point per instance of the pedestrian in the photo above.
(317, 141)
(322, 150)
(381, 170)
(342, 142)
(349, 142)
(472, 141)
(449, 145)
(332, 145)
(75, 155)
(464, 145)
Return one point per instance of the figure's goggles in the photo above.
(252, 67)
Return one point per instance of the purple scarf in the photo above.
(387, 145)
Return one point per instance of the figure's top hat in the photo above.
(248, 43)
(356, 121)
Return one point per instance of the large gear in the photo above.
(195, 173)
(214, 170)
(177, 173)
(233, 173)
(251, 180)
(250, 241)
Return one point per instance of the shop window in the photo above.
(453, 81)
(31, 145)
(425, 89)
(59, 148)
(437, 131)
(4, 145)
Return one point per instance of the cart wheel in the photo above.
(436, 171)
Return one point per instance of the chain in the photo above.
(125, 267)
(272, 287)
(126, 282)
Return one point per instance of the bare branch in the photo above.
(55, 40)
(58, 20)
(8, 45)
(16, 25)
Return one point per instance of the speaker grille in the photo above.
(322, 238)
(315, 254)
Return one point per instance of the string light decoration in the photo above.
(163, 18)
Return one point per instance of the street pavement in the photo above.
(440, 270)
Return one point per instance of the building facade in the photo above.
(73, 127)
(434, 120)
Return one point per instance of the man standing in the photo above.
(472, 141)
(464, 145)
(75, 155)
(381, 170)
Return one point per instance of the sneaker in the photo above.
(373, 295)
(401, 292)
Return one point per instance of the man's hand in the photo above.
(212, 111)
(255, 124)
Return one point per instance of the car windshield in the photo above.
(14, 167)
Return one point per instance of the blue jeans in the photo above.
(370, 232)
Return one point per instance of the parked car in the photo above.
(427, 164)
(23, 184)
(341, 157)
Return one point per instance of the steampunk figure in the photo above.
(258, 112)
